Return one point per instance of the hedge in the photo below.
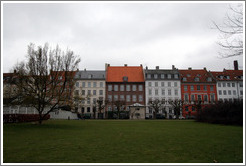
(16, 118)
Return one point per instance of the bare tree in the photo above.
(119, 104)
(231, 32)
(101, 104)
(156, 104)
(45, 79)
(177, 106)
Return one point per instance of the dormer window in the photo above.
(188, 75)
(221, 77)
(155, 76)
(169, 76)
(148, 75)
(90, 76)
(162, 76)
(176, 76)
(125, 79)
(198, 75)
(184, 79)
(209, 79)
(228, 77)
(196, 79)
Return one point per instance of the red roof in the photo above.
(116, 74)
(191, 74)
(234, 75)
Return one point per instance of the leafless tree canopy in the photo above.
(45, 79)
(231, 40)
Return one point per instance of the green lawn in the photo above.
(122, 141)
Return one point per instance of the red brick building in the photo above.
(196, 85)
(124, 83)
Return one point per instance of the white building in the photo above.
(162, 84)
(229, 84)
(89, 87)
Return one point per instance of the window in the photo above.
(169, 84)
(109, 87)
(206, 98)
(109, 97)
(94, 100)
(89, 84)
(193, 108)
(175, 84)
(196, 79)
(134, 87)
(228, 84)
(209, 79)
(228, 77)
(233, 84)
(140, 87)
(186, 108)
(162, 76)
(101, 84)
(115, 87)
(94, 84)
(163, 91)
(76, 92)
(89, 92)
(240, 84)
(169, 92)
(83, 84)
(140, 98)
(116, 98)
(186, 97)
(156, 84)
(198, 87)
(241, 92)
(122, 98)
(204, 87)
(185, 88)
(128, 98)
(234, 92)
(176, 92)
(229, 92)
(211, 88)
(155, 76)
(109, 108)
(156, 92)
(220, 92)
(149, 84)
(128, 88)
(94, 92)
(212, 97)
(150, 91)
(191, 87)
(88, 109)
(192, 97)
(169, 76)
(224, 84)
(100, 92)
(77, 84)
(88, 101)
(184, 79)
(162, 84)
(224, 92)
(219, 84)
(176, 76)
(122, 88)
(83, 92)
(134, 98)
(199, 97)
(60, 77)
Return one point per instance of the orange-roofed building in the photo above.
(125, 83)
(196, 85)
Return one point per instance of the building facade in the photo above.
(163, 85)
(126, 85)
(89, 87)
(196, 86)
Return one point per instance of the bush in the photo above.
(230, 113)
(16, 118)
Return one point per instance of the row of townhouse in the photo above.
(135, 87)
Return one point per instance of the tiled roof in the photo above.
(228, 75)
(116, 74)
(191, 76)
(90, 74)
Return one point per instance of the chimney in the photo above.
(235, 65)
(85, 69)
(173, 67)
(204, 68)
(189, 68)
(224, 70)
(157, 67)
(125, 65)
(14, 71)
(146, 67)
(141, 65)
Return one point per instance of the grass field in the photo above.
(122, 141)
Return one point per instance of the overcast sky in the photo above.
(151, 34)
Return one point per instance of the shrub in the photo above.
(222, 113)
(15, 118)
